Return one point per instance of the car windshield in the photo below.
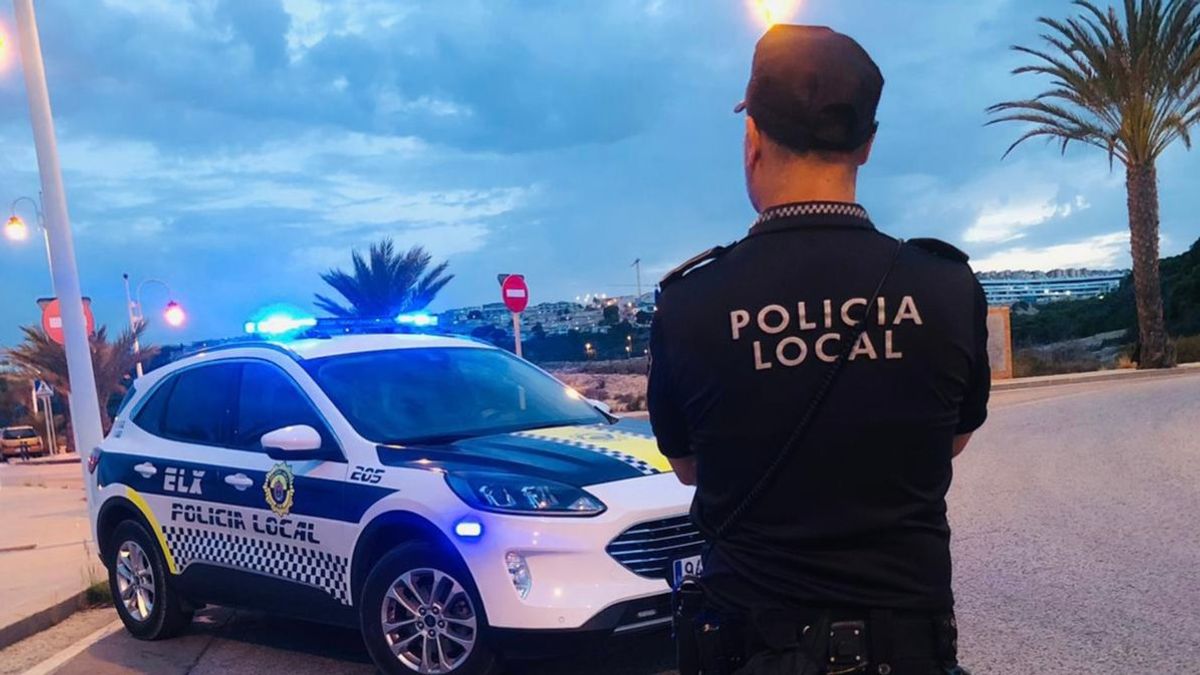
(14, 434)
(443, 394)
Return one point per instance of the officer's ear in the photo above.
(753, 146)
(863, 154)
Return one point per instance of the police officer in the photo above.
(814, 381)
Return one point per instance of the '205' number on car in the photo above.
(366, 474)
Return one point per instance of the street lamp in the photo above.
(15, 228)
(173, 313)
(60, 245)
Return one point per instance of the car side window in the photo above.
(201, 406)
(149, 415)
(269, 399)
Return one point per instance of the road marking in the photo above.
(60, 659)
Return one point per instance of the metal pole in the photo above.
(517, 332)
(83, 402)
(137, 347)
(637, 264)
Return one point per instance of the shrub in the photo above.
(1188, 349)
(1034, 362)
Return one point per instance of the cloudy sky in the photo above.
(237, 148)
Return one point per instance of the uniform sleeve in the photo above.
(662, 398)
(973, 411)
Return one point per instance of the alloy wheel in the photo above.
(429, 621)
(135, 580)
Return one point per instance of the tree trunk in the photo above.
(1141, 182)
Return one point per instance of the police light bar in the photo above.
(279, 324)
(288, 326)
(418, 319)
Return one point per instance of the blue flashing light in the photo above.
(417, 319)
(468, 529)
(279, 324)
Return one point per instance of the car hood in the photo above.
(577, 455)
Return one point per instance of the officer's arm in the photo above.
(666, 414)
(973, 411)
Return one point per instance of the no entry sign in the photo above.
(515, 293)
(52, 323)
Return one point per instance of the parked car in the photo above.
(447, 498)
(12, 439)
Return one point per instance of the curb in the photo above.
(46, 461)
(1093, 377)
(40, 621)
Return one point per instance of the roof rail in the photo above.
(243, 344)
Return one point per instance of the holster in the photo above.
(711, 640)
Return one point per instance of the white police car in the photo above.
(450, 500)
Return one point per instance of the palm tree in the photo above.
(112, 362)
(385, 283)
(1129, 85)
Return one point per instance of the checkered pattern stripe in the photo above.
(319, 569)
(639, 464)
(812, 209)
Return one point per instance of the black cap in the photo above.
(812, 88)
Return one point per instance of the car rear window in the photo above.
(16, 434)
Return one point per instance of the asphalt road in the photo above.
(1075, 538)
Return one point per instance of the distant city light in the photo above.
(16, 229)
(174, 314)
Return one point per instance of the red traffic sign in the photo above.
(515, 293)
(52, 322)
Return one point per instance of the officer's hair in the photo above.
(822, 155)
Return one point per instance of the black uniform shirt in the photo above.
(857, 515)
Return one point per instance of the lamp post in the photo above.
(17, 230)
(83, 401)
(173, 313)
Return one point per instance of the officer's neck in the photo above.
(807, 182)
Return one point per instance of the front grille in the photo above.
(648, 549)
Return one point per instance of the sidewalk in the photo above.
(62, 458)
(46, 558)
(1092, 377)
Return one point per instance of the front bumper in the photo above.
(634, 617)
(577, 585)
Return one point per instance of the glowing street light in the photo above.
(771, 12)
(173, 313)
(16, 229)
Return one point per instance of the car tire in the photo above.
(419, 598)
(141, 591)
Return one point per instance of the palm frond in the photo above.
(1126, 81)
(384, 282)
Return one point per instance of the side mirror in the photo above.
(295, 442)
(601, 406)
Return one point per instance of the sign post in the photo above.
(44, 393)
(515, 293)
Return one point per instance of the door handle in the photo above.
(145, 469)
(239, 480)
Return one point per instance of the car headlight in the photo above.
(504, 493)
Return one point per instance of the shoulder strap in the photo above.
(766, 479)
(941, 249)
(695, 262)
